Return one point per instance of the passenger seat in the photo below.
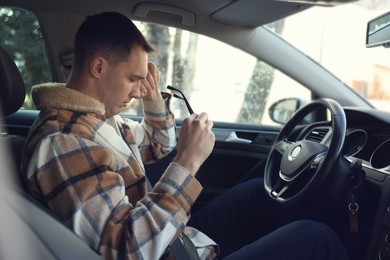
(12, 94)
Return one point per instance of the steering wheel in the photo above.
(295, 169)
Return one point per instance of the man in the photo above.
(86, 163)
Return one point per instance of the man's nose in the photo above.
(136, 91)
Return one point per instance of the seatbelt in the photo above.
(190, 247)
(179, 250)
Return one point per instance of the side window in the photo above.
(227, 83)
(20, 36)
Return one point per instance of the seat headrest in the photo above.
(12, 89)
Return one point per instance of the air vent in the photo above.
(317, 135)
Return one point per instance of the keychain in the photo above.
(353, 208)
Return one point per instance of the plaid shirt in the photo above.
(88, 170)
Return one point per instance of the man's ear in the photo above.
(97, 66)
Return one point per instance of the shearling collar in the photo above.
(57, 96)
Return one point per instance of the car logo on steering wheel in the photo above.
(294, 152)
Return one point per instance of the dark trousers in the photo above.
(244, 223)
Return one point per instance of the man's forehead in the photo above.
(138, 64)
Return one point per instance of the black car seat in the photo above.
(12, 94)
(27, 229)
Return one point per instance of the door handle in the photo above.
(233, 138)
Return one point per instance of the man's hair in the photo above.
(109, 34)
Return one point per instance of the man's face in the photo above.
(121, 82)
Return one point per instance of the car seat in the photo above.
(47, 237)
(27, 229)
(12, 94)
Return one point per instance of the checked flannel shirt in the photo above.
(88, 170)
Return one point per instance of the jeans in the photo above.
(244, 223)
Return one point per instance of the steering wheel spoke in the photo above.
(282, 146)
(317, 160)
(280, 187)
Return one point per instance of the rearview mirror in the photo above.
(378, 31)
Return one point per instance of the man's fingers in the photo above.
(145, 85)
(202, 117)
(152, 78)
(210, 124)
(153, 72)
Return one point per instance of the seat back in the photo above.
(12, 95)
(12, 88)
(35, 230)
(30, 231)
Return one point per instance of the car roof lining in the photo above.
(255, 13)
(224, 11)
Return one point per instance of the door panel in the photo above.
(19, 123)
(238, 155)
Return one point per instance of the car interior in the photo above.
(342, 180)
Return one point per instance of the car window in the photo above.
(20, 36)
(337, 41)
(227, 83)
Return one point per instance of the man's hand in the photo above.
(150, 89)
(196, 142)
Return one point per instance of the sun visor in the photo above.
(251, 13)
(186, 17)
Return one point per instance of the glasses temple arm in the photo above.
(183, 97)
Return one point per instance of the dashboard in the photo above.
(367, 138)
(367, 141)
(364, 171)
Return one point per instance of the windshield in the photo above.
(335, 38)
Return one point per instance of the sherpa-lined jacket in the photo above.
(88, 169)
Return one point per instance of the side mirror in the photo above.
(282, 110)
(378, 31)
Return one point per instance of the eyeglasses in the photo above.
(182, 97)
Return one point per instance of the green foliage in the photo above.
(20, 36)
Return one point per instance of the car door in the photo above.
(236, 90)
